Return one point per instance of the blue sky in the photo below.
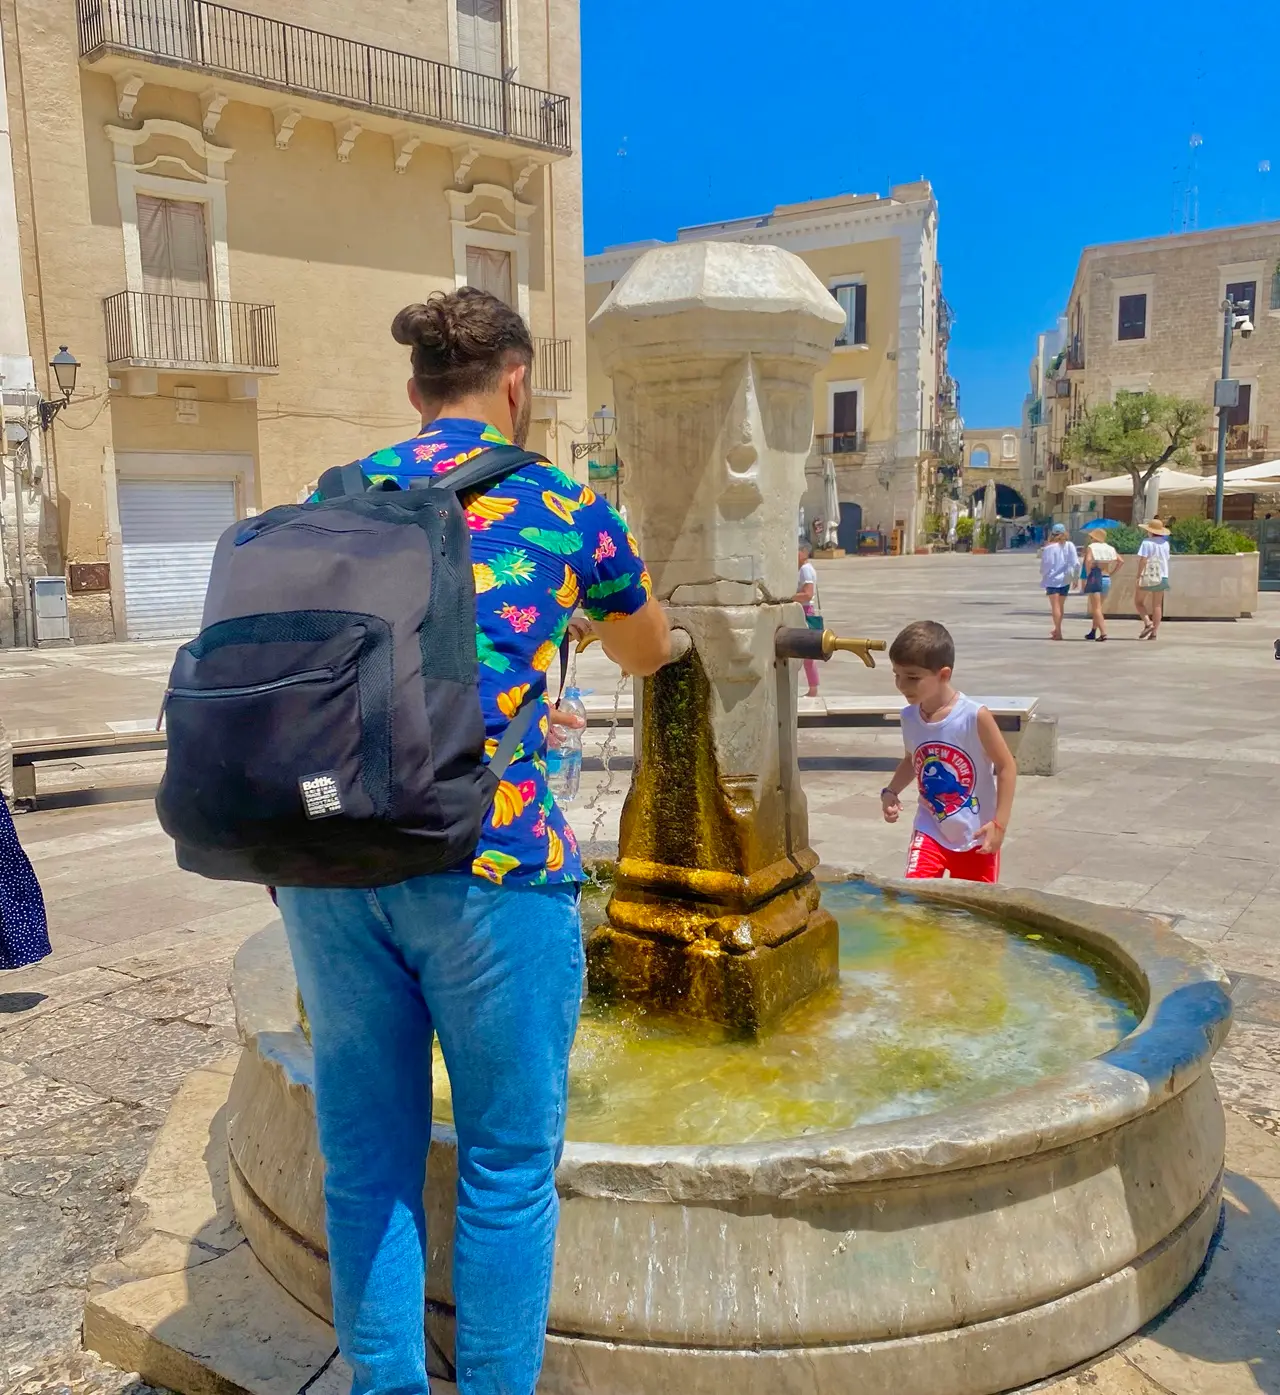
(1044, 127)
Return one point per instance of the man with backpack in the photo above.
(450, 908)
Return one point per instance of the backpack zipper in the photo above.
(312, 675)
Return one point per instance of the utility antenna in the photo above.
(1191, 198)
(1264, 169)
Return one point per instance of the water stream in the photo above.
(935, 1007)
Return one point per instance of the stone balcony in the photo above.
(185, 43)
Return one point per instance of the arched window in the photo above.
(980, 458)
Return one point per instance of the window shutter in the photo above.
(175, 249)
(480, 36)
(844, 413)
(490, 270)
(860, 316)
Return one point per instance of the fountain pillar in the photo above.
(713, 348)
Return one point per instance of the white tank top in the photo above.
(954, 775)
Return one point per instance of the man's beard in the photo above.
(520, 428)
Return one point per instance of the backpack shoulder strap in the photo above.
(488, 468)
(342, 481)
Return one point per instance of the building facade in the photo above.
(879, 410)
(993, 461)
(1147, 316)
(219, 211)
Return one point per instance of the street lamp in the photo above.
(604, 424)
(1226, 391)
(65, 367)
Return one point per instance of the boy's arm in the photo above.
(999, 754)
(890, 803)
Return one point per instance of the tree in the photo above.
(1140, 432)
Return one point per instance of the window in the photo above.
(1244, 295)
(844, 422)
(852, 299)
(1133, 317)
(1275, 290)
(979, 458)
(490, 270)
(1008, 447)
(174, 246)
(480, 36)
(1238, 416)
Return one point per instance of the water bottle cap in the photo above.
(573, 691)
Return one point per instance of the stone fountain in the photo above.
(960, 1252)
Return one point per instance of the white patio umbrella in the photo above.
(830, 503)
(1171, 482)
(1268, 470)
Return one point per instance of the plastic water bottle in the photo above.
(564, 750)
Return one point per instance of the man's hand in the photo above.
(890, 805)
(579, 628)
(992, 836)
(560, 718)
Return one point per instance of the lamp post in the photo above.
(1226, 391)
(65, 368)
(603, 424)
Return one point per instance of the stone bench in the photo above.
(32, 751)
(1032, 735)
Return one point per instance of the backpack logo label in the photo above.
(321, 798)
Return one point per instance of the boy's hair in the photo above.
(924, 644)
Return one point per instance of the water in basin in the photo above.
(935, 1007)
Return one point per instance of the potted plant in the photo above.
(964, 533)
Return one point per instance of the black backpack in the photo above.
(324, 728)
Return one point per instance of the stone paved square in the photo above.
(1164, 801)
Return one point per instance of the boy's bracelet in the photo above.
(893, 794)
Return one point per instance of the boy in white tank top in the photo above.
(961, 764)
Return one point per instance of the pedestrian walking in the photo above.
(1153, 577)
(1059, 573)
(24, 931)
(807, 595)
(1101, 562)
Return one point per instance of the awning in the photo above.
(1171, 482)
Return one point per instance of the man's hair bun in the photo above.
(461, 341)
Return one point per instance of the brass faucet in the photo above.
(861, 647)
(796, 643)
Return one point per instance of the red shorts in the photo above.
(926, 857)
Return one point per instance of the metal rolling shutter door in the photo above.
(169, 529)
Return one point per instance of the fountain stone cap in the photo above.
(713, 348)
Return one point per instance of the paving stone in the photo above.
(76, 1373)
(1255, 1000)
(174, 995)
(143, 1065)
(33, 1102)
(76, 1025)
(26, 998)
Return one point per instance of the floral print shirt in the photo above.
(541, 545)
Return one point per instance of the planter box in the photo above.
(827, 554)
(1200, 588)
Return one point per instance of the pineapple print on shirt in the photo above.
(541, 544)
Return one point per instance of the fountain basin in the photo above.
(962, 1252)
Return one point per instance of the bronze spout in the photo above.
(795, 643)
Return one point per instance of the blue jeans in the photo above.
(497, 974)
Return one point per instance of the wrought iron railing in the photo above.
(217, 39)
(552, 365)
(841, 442)
(1075, 354)
(1249, 439)
(155, 331)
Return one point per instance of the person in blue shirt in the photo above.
(487, 957)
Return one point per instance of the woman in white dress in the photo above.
(1153, 577)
